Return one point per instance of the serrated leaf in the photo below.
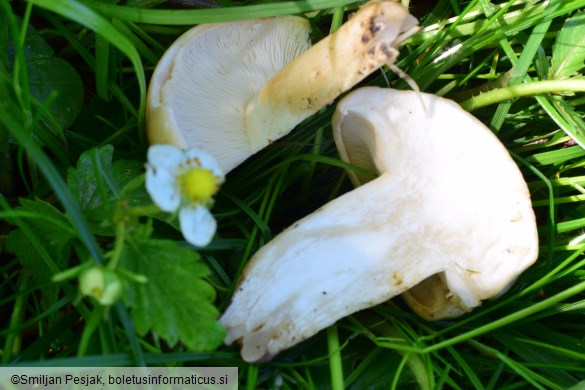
(41, 246)
(53, 238)
(176, 302)
(568, 56)
(93, 195)
(96, 183)
(123, 172)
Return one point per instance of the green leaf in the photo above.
(87, 183)
(176, 302)
(375, 373)
(96, 182)
(89, 18)
(42, 245)
(576, 128)
(49, 75)
(55, 75)
(569, 50)
(558, 156)
(125, 171)
(54, 238)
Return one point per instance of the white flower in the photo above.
(185, 180)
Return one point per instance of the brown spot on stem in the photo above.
(387, 51)
(374, 28)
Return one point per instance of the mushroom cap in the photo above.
(439, 207)
(199, 90)
(232, 89)
(459, 177)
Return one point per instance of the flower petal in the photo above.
(197, 224)
(207, 161)
(167, 157)
(162, 188)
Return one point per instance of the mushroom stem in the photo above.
(441, 151)
(328, 265)
(449, 201)
(367, 41)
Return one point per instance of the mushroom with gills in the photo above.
(448, 201)
(233, 88)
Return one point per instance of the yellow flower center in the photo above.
(198, 184)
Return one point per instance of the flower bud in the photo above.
(102, 284)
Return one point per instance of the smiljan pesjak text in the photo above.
(89, 380)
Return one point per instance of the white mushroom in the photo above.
(225, 87)
(449, 201)
(198, 92)
(465, 183)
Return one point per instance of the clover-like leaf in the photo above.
(176, 302)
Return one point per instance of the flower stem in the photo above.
(252, 377)
(143, 211)
(92, 323)
(13, 339)
(526, 89)
(334, 358)
(118, 246)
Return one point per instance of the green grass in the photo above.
(501, 60)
